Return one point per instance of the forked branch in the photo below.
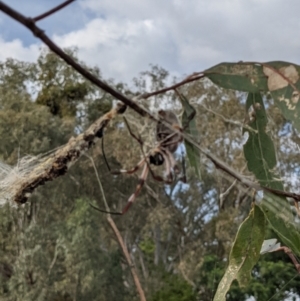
(52, 11)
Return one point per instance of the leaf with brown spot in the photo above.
(276, 80)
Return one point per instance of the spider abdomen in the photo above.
(156, 159)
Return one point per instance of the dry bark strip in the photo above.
(58, 163)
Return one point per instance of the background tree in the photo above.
(56, 247)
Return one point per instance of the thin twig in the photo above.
(229, 121)
(189, 79)
(225, 194)
(52, 11)
(54, 258)
(128, 259)
(119, 237)
(100, 184)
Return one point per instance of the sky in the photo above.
(123, 37)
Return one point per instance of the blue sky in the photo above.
(123, 37)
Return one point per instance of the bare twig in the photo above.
(54, 258)
(100, 185)
(52, 11)
(128, 259)
(119, 238)
(189, 79)
(229, 121)
(225, 194)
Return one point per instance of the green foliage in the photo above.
(281, 218)
(280, 78)
(174, 289)
(190, 127)
(210, 274)
(259, 149)
(244, 253)
(238, 76)
(147, 246)
(268, 276)
(62, 89)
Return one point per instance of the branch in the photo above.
(70, 157)
(30, 24)
(39, 33)
(19, 184)
(52, 11)
(187, 80)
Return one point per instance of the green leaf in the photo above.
(244, 253)
(190, 127)
(285, 93)
(259, 149)
(280, 78)
(280, 216)
(238, 76)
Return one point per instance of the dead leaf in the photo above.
(276, 81)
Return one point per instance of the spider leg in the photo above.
(183, 178)
(105, 211)
(172, 142)
(129, 171)
(132, 198)
(169, 136)
(123, 170)
(168, 167)
(103, 152)
(173, 164)
(139, 186)
(138, 139)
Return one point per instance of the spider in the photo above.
(167, 143)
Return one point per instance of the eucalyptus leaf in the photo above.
(190, 127)
(279, 78)
(259, 149)
(245, 252)
(281, 217)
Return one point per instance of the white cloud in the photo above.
(123, 37)
(121, 49)
(15, 49)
